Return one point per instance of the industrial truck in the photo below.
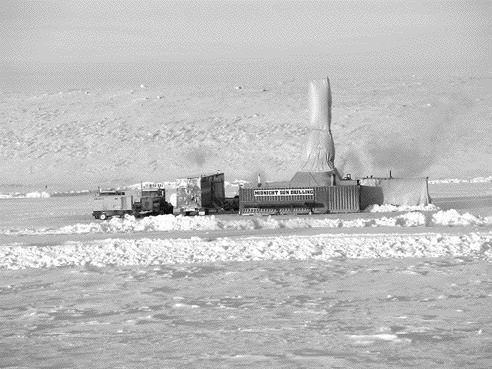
(115, 203)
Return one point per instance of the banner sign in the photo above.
(151, 185)
(307, 192)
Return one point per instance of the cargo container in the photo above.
(201, 194)
(299, 200)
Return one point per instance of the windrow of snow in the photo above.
(123, 252)
(29, 195)
(454, 218)
(167, 223)
(387, 208)
(462, 180)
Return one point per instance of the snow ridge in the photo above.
(167, 223)
(121, 252)
(29, 195)
(462, 180)
(387, 208)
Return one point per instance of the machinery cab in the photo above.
(152, 201)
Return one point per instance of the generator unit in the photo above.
(112, 203)
(200, 195)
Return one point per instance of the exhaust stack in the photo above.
(320, 149)
(319, 167)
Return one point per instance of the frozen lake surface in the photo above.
(283, 293)
(429, 313)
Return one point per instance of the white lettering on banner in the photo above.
(309, 192)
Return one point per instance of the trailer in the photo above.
(299, 200)
(200, 194)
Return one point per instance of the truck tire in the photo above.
(103, 216)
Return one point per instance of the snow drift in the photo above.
(29, 195)
(120, 252)
(168, 223)
(388, 208)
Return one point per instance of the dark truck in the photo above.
(152, 202)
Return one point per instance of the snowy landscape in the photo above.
(121, 137)
(114, 95)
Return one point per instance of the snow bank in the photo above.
(70, 193)
(37, 195)
(29, 195)
(369, 339)
(121, 252)
(167, 223)
(393, 208)
(462, 180)
(453, 218)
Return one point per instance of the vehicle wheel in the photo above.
(102, 216)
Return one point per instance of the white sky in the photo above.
(348, 36)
